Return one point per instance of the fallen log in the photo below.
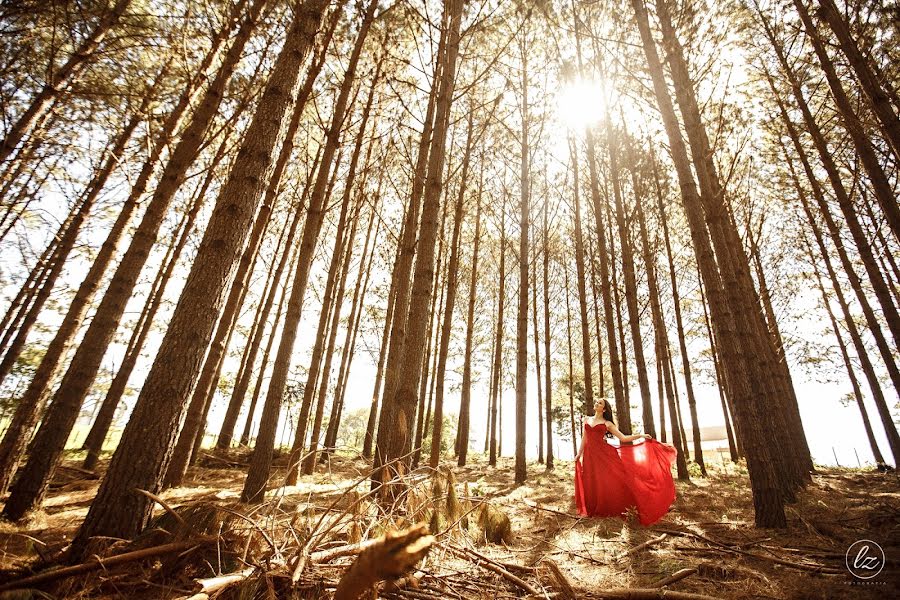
(105, 563)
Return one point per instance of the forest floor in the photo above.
(707, 538)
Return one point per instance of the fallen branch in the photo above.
(815, 568)
(676, 576)
(649, 594)
(493, 566)
(639, 547)
(339, 551)
(215, 584)
(105, 563)
(567, 590)
(166, 506)
(391, 557)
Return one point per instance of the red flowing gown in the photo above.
(610, 479)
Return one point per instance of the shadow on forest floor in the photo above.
(709, 530)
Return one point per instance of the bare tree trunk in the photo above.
(368, 440)
(887, 198)
(548, 378)
(622, 407)
(767, 494)
(497, 380)
(597, 319)
(359, 294)
(845, 203)
(537, 353)
(261, 459)
(226, 434)
(394, 437)
(655, 309)
(401, 276)
(465, 402)
(151, 433)
(628, 273)
(861, 351)
(430, 358)
(32, 403)
(64, 77)
(794, 462)
(522, 314)
(679, 323)
(857, 392)
(734, 447)
(879, 98)
(855, 282)
(571, 362)
(194, 421)
(450, 303)
(581, 282)
(620, 329)
(257, 389)
(309, 461)
(93, 443)
(63, 410)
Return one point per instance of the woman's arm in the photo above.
(622, 437)
(581, 448)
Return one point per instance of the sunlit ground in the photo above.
(839, 507)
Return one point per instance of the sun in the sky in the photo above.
(582, 102)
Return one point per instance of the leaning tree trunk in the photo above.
(261, 459)
(366, 260)
(857, 392)
(861, 350)
(855, 282)
(767, 497)
(331, 302)
(31, 485)
(63, 78)
(93, 443)
(661, 336)
(401, 275)
(628, 273)
(151, 433)
(886, 196)
(879, 98)
(226, 433)
(369, 436)
(309, 461)
(215, 354)
(449, 305)
(734, 444)
(64, 242)
(465, 402)
(522, 314)
(845, 203)
(497, 361)
(772, 376)
(394, 437)
(622, 407)
(567, 292)
(32, 403)
(601, 379)
(548, 377)
(537, 352)
(587, 360)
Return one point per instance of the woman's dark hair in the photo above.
(607, 414)
(607, 410)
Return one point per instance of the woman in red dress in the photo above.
(610, 479)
